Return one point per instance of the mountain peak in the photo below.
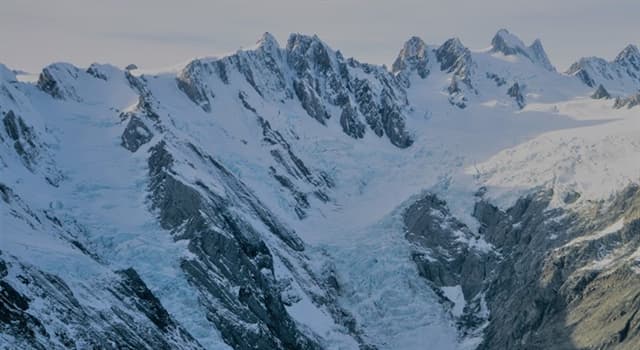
(297, 40)
(414, 46)
(268, 42)
(452, 54)
(413, 55)
(630, 52)
(506, 42)
(510, 44)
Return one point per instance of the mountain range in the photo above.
(287, 197)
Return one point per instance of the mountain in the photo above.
(287, 197)
(509, 44)
(620, 76)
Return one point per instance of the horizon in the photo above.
(82, 35)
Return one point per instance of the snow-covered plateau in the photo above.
(287, 197)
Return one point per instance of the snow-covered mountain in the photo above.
(287, 197)
(621, 76)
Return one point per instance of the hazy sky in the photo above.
(158, 33)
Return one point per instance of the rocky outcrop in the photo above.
(378, 98)
(54, 78)
(601, 93)
(549, 290)
(515, 91)
(455, 58)
(23, 138)
(311, 102)
(545, 274)
(189, 81)
(414, 56)
(135, 134)
(449, 255)
(628, 102)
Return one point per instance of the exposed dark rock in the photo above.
(11, 125)
(300, 198)
(311, 102)
(453, 56)
(445, 255)
(629, 102)
(578, 70)
(54, 79)
(548, 282)
(24, 139)
(227, 247)
(545, 294)
(350, 123)
(393, 122)
(190, 82)
(94, 71)
(571, 197)
(135, 134)
(48, 84)
(601, 93)
(516, 92)
(14, 317)
(412, 57)
(498, 80)
(629, 56)
(144, 300)
(77, 325)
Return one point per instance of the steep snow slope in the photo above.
(260, 196)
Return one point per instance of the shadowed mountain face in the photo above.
(287, 197)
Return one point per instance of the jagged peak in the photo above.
(629, 52)
(303, 41)
(412, 55)
(540, 55)
(304, 49)
(454, 46)
(508, 44)
(268, 42)
(506, 41)
(413, 47)
(454, 43)
(450, 54)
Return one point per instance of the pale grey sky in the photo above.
(158, 33)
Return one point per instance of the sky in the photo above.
(162, 33)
